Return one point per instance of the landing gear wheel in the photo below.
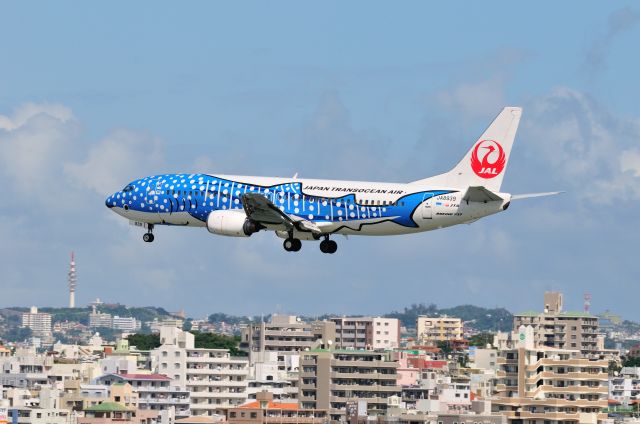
(328, 246)
(292, 244)
(148, 237)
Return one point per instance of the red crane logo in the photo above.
(488, 159)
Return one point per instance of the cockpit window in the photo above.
(128, 188)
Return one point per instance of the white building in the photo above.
(431, 330)
(265, 374)
(38, 322)
(126, 323)
(156, 392)
(98, 319)
(367, 333)
(624, 389)
(215, 380)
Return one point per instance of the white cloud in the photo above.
(473, 99)
(619, 22)
(117, 159)
(630, 161)
(330, 137)
(35, 142)
(583, 145)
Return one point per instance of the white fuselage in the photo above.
(336, 207)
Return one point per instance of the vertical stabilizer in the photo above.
(486, 162)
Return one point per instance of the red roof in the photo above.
(271, 405)
(157, 377)
(422, 363)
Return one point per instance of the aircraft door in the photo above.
(427, 210)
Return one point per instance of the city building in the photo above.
(562, 330)
(44, 408)
(624, 388)
(286, 333)
(155, 392)
(266, 373)
(38, 322)
(329, 379)
(215, 380)
(156, 324)
(109, 412)
(99, 319)
(545, 385)
(125, 323)
(366, 333)
(267, 411)
(431, 330)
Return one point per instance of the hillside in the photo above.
(81, 315)
(476, 317)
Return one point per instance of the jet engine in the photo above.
(232, 224)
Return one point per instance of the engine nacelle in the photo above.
(231, 223)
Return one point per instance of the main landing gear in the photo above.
(148, 236)
(292, 244)
(328, 246)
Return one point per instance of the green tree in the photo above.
(218, 341)
(17, 334)
(631, 362)
(481, 340)
(144, 341)
(614, 367)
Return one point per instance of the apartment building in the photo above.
(543, 385)
(431, 330)
(99, 319)
(286, 333)
(110, 412)
(38, 322)
(125, 323)
(624, 388)
(267, 411)
(215, 380)
(563, 330)
(266, 374)
(366, 333)
(330, 379)
(155, 392)
(44, 409)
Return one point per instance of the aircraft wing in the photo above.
(480, 194)
(262, 210)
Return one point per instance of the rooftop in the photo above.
(108, 407)
(155, 377)
(570, 314)
(289, 406)
(199, 420)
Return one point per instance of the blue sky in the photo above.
(93, 96)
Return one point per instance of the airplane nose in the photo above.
(110, 202)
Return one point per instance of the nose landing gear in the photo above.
(148, 236)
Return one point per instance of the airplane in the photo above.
(312, 209)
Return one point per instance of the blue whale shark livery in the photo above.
(311, 209)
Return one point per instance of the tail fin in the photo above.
(486, 162)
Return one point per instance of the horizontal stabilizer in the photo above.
(480, 194)
(531, 195)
